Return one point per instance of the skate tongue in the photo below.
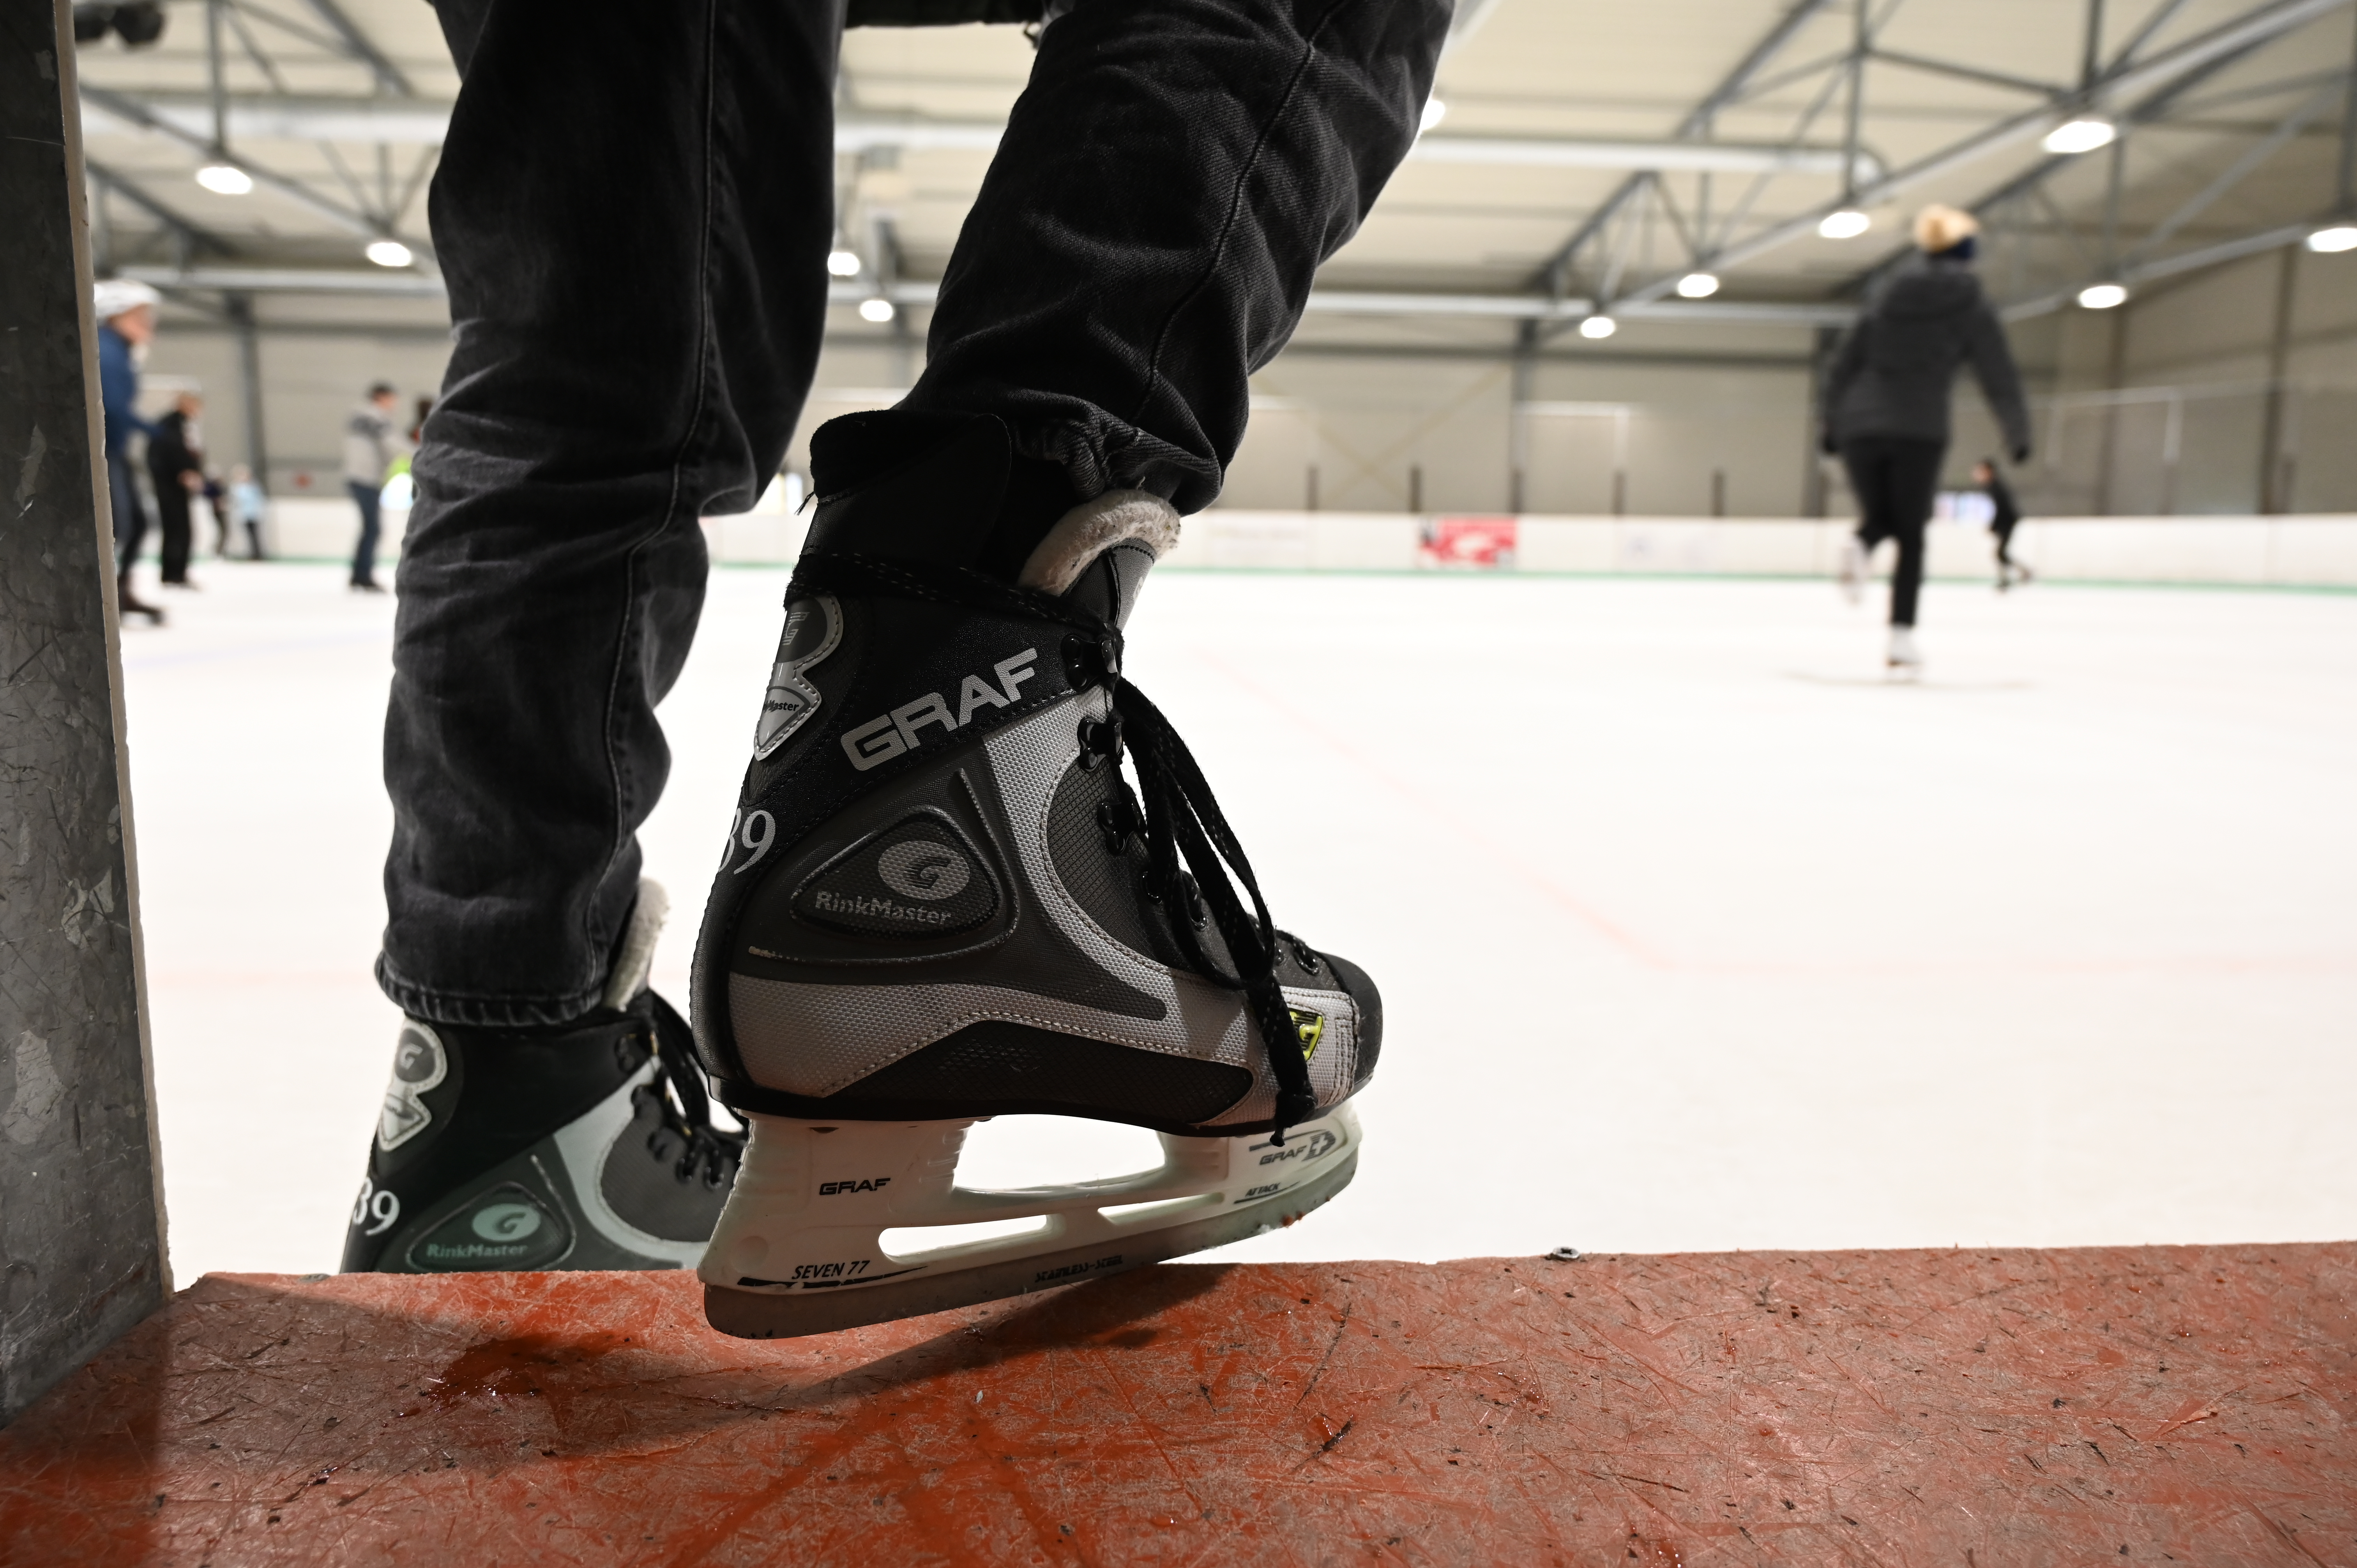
(1098, 553)
(636, 957)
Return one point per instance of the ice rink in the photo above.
(1692, 934)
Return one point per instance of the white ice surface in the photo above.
(1692, 933)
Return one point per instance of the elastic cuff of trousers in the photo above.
(483, 1012)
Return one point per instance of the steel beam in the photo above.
(1554, 274)
(131, 190)
(397, 285)
(427, 123)
(124, 106)
(2258, 27)
(360, 46)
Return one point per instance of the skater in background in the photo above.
(1886, 406)
(2005, 514)
(176, 463)
(246, 505)
(216, 494)
(371, 442)
(126, 317)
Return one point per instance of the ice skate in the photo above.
(1851, 571)
(1902, 662)
(943, 902)
(127, 603)
(588, 1146)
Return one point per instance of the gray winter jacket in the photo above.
(1893, 373)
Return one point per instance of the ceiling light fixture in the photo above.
(1845, 223)
(842, 264)
(2102, 295)
(389, 253)
(225, 179)
(1434, 112)
(2082, 136)
(1598, 326)
(1697, 285)
(878, 310)
(2335, 238)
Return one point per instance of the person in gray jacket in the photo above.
(371, 444)
(1885, 405)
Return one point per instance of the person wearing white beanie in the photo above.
(125, 310)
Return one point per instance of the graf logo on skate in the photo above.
(506, 1227)
(870, 1183)
(1310, 1026)
(1315, 1146)
(419, 1064)
(882, 739)
(505, 1221)
(915, 869)
(920, 877)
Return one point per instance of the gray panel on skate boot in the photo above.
(81, 1253)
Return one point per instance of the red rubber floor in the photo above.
(1982, 1409)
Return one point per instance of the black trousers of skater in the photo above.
(632, 211)
(174, 524)
(1896, 479)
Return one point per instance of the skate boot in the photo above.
(1902, 662)
(127, 603)
(1851, 571)
(943, 902)
(588, 1146)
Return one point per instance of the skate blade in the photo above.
(800, 1248)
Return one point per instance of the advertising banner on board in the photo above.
(1479, 542)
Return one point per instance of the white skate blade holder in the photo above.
(800, 1248)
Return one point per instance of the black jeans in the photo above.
(638, 295)
(370, 500)
(1896, 479)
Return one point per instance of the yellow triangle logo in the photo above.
(1310, 1026)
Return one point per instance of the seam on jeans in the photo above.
(1235, 208)
(632, 632)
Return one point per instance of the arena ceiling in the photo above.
(1590, 158)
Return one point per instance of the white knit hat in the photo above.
(112, 296)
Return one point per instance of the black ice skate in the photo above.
(584, 1147)
(943, 902)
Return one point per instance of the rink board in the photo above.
(1955, 1407)
(2307, 551)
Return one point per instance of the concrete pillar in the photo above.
(1814, 492)
(2275, 459)
(82, 1242)
(249, 386)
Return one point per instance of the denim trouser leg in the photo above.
(130, 514)
(371, 501)
(638, 298)
(1146, 235)
(632, 213)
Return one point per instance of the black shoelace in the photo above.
(1179, 820)
(707, 1153)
